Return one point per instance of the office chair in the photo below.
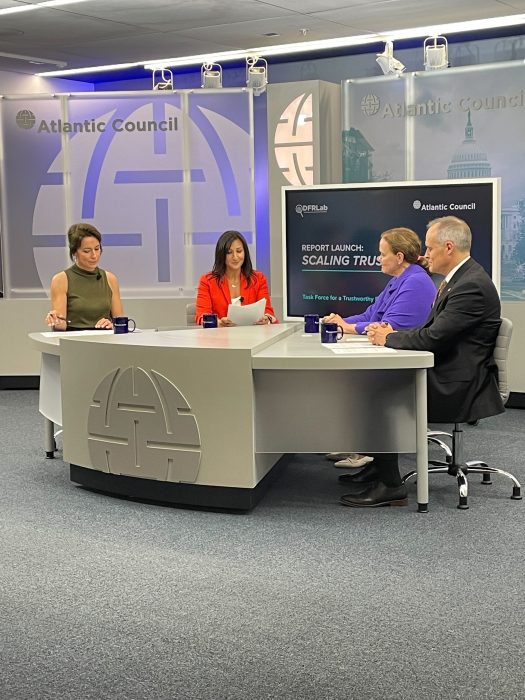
(453, 463)
(190, 314)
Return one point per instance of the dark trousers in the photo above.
(386, 468)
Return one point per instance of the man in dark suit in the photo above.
(461, 331)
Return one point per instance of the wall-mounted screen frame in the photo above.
(331, 236)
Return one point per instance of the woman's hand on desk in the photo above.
(104, 324)
(225, 321)
(335, 318)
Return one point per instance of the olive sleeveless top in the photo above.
(88, 297)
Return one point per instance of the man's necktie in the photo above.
(440, 290)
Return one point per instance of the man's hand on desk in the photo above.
(377, 332)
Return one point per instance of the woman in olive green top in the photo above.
(84, 296)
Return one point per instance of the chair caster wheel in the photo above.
(50, 455)
(516, 493)
(462, 505)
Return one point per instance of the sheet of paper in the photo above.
(246, 315)
(57, 334)
(355, 339)
(359, 349)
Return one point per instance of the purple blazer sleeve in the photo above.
(404, 303)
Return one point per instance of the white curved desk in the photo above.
(200, 416)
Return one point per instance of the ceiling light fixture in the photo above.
(211, 75)
(256, 74)
(435, 50)
(162, 78)
(301, 47)
(387, 62)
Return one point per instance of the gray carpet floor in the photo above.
(103, 597)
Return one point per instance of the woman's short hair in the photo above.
(77, 233)
(404, 240)
(222, 249)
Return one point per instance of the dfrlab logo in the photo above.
(303, 209)
(25, 119)
(370, 105)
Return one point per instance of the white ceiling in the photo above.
(99, 32)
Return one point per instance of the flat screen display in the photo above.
(331, 236)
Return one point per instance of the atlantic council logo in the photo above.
(370, 105)
(293, 142)
(416, 204)
(25, 119)
(140, 424)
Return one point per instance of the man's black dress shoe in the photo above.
(377, 494)
(366, 476)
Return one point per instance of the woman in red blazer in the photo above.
(232, 280)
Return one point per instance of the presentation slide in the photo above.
(331, 236)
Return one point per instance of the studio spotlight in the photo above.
(211, 75)
(387, 62)
(162, 78)
(256, 74)
(435, 49)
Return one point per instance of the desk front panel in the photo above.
(335, 411)
(177, 414)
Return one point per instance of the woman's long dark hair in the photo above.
(222, 249)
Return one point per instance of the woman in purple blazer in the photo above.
(404, 303)
(406, 300)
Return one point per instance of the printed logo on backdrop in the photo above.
(293, 142)
(303, 209)
(141, 425)
(370, 105)
(25, 119)
(127, 174)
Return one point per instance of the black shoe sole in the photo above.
(355, 504)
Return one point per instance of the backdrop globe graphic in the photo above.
(293, 143)
(133, 186)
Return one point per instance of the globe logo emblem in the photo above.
(370, 105)
(293, 141)
(25, 119)
(140, 424)
(416, 204)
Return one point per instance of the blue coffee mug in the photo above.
(311, 323)
(331, 332)
(210, 320)
(121, 324)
